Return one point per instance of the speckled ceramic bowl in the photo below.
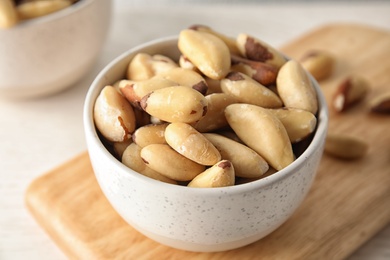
(195, 219)
(45, 55)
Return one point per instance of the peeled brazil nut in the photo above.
(150, 134)
(219, 175)
(230, 42)
(175, 104)
(187, 64)
(206, 51)
(190, 143)
(349, 92)
(318, 63)
(113, 115)
(132, 158)
(261, 131)
(134, 91)
(8, 15)
(186, 77)
(345, 146)
(247, 163)
(163, 159)
(247, 90)
(215, 117)
(262, 72)
(257, 50)
(120, 147)
(144, 66)
(298, 123)
(295, 88)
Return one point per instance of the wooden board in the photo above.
(348, 203)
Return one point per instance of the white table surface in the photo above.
(37, 135)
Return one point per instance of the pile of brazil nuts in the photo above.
(14, 11)
(229, 111)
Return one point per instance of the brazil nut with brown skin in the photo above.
(134, 91)
(349, 92)
(215, 117)
(144, 66)
(186, 77)
(257, 50)
(262, 72)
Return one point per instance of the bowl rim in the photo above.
(73, 8)
(126, 172)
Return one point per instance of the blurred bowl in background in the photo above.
(48, 54)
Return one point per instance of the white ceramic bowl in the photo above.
(44, 55)
(195, 219)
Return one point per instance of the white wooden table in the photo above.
(37, 135)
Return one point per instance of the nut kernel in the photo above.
(349, 92)
(113, 115)
(132, 158)
(295, 88)
(175, 104)
(219, 175)
(257, 50)
(298, 123)
(206, 51)
(163, 159)
(261, 131)
(247, 163)
(190, 143)
(247, 90)
(345, 147)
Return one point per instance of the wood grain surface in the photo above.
(348, 203)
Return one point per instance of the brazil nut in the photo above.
(163, 159)
(247, 90)
(273, 144)
(206, 51)
(175, 104)
(113, 115)
(247, 163)
(191, 144)
(132, 158)
(295, 88)
(219, 175)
